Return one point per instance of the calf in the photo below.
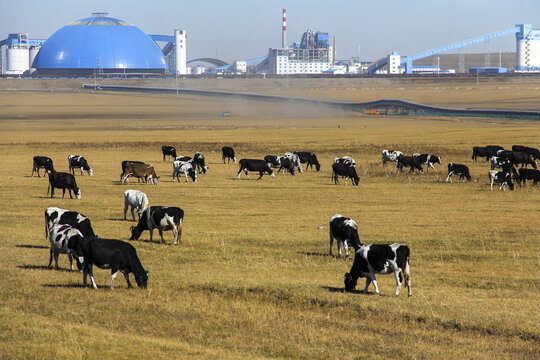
(295, 160)
(108, 254)
(428, 159)
(161, 218)
(79, 162)
(309, 159)
(137, 200)
(345, 170)
(485, 151)
(390, 155)
(54, 216)
(380, 259)
(186, 168)
(503, 177)
(59, 236)
(409, 161)
(458, 169)
(255, 165)
(140, 171)
(528, 174)
(42, 162)
(345, 231)
(533, 152)
(228, 153)
(62, 180)
(124, 164)
(168, 151)
(198, 161)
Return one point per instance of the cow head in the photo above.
(90, 172)
(350, 283)
(78, 194)
(135, 233)
(272, 175)
(142, 279)
(192, 174)
(234, 160)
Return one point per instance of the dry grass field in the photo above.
(252, 277)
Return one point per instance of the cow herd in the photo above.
(71, 233)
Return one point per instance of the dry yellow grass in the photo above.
(252, 277)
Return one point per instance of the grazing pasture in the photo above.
(252, 277)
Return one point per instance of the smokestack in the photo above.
(284, 30)
(334, 52)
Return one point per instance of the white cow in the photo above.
(295, 159)
(59, 236)
(137, 200)
(186, 168)
(390, 155)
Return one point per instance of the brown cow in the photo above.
(140, 171)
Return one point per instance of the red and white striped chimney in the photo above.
(284, 30)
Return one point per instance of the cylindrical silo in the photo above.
(32, 55)
(527, 48)
(180, 52)
(17, 59)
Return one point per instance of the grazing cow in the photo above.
(503, 177)
(280, 163)
(124, 163)
(108, 254)
(497, 162)
(428, 159)
(255, 165)
(518, 157)
(57, 216)
(409, 161)
(161, 218)
(345, 160)
(59, 236)
(528, 174)
(345, 170)
(533, 152)
(295, 159)
(137, 200)
(228, 153)
(42, 162)
(186, 168)
(390, 155)
(198, 161)
(485, 151)
(168, 151)
(345, 231)
(380, 259)
(458, 169)
(79, 162)
(140, 171)
(309, 159)
(62, 180)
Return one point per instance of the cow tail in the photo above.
(46, 224)
(405, 267)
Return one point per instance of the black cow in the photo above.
(428, 159)
(458, 169)
(345, 170)
(168, 151)
(345, 231)
(198, 161)
(255, 165)
(124, 164)
(280, 163)
(228, 153)
(309, 159)
(409, 161)
(161, 218)
(380, 259)
(79, 162)
(42, 162)
(108, 254)
(516, 158)
(62, 180)
(54, 215)
(485, 151)
(533, 152)
(528, 174)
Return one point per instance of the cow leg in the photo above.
(91, 272)
(346, 247)
(449, 177)
(161, 235)
(151, 232)
(114, 272)
(260, 175)
(132, 213)
(69, 191)
(398, 281)
(374, 281)
(50, 257)
(246, 172)
(239, 172)
(70, 260)
(331, 242)
(368, 281)
(126, 276)
(175, 234)
(55, 255)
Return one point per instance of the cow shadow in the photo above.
(333, 289)
(307, 253)
(33, 246)
(67, 286)
(44, 267)
(122, 220)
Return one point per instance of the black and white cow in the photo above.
(533, 152)
(59, 236)
(503, 177)
(347, 160)
(380, 259)
(309, 159)
(485, 151)
(260, 166)
(161, 218)
(168, 151)
(497, 162)
(62, 180)
(54, 216)
(458, 169)
(198, 161)
(295, 159)
(409, 161)
(184, 167)
(111, 254)
(345, 231)
(390, 155)
(280, 163)
(137, 200)
(79, 162)
(345, 170)
(428, 159)
(228, 153)
(528, 174)
(42, 162)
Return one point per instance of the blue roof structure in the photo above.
(102, 44)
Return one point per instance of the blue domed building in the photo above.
(99, 44)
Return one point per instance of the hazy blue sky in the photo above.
(233, 30)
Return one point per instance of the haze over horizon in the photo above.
(235, 30)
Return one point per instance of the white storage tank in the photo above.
(17, 59)
(33, 51)
(527, 48)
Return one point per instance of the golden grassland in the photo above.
(252, 277)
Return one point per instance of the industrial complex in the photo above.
(102, 46)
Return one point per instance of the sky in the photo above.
(240, 30)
